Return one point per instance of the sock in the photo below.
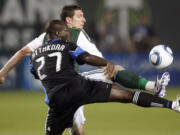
(148, 100)
(130, 80)
(150, 86)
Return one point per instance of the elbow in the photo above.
(25, 51)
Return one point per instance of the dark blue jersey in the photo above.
(54, 63)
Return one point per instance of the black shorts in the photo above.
(68, 99)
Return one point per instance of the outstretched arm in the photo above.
(15, 59)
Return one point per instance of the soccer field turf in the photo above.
(24, 113)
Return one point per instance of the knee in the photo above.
(78, 130)
(118, 67)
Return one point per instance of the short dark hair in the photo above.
(54, 26)
(68, 11)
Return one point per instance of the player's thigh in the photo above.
(85, 91)
(119, 94)
(97, 91)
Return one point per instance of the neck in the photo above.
(53, 36)
(69, 25)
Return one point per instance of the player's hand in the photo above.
(109, 70)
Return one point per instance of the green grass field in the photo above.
(24, 113)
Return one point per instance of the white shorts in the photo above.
(97, 75)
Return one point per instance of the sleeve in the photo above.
(84, 42)
(75, 53)
(32, 71)
(37, 42)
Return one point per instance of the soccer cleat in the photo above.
(160, 85)
(176, 105)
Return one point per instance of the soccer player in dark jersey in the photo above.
(74, 17)
(67, 90)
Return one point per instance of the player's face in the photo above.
(78, 20)
(63, 32)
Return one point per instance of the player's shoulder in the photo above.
(41, 36)
(76, 30)
(74, 34)
(72, 44)
(37, 42)
(68, 44)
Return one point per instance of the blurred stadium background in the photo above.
(124, 30)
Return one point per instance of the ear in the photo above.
(57, 33)
(68, 20)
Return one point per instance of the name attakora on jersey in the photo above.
(54, 62)
(52, 47)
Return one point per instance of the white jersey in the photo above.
(84, 42)
(37, 42)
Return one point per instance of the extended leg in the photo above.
(141, 99)
(131, 80)
(118, 94)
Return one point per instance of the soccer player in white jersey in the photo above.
(74, 17)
